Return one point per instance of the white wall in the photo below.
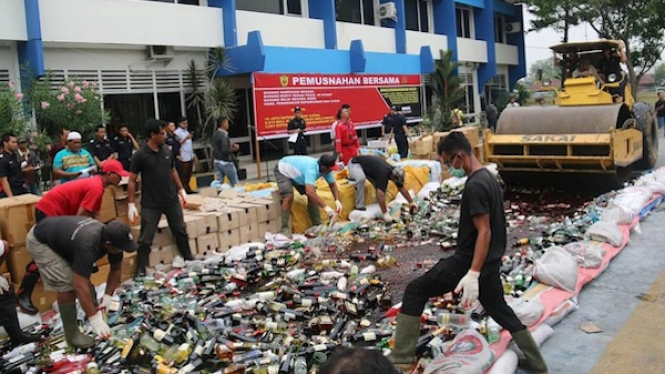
(471, 50)
(113, 59)
(375, 39)
(415, 40)
(130, 22)
(279, 30)
(12, 20)
(506, 54)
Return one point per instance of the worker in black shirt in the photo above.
(161, 189)
(297, 126)
(379, 172)
(473, 269)
(11, 174)
(395, 124)
(65, 249)
(100, 147)
(172, 143)
(124, 145)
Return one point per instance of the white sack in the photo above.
(557, 268)
(587, 255)
(616, 214)
(469, 353)
(528, 311)
(560, 312)
(606, 232)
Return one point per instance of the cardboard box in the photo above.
(161, 254)
(122, 205)
(471, 133)
(17, 216)
(41, 298)
(7, 276)
(227, 219)
(192, 223)
(249, 233)
(129, 262)
(479, 152)
(247, 214)
(208, 223)
(163, 235)
(228, 239)
(4, 265)
(208, 191)
(266, 210)
(18, 259)
(100, 276)
(192, 247)
(434, 156)
(107, 212)
(422, 145)
(206, 244)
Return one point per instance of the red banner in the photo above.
(321, 95)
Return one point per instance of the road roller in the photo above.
(594, 128)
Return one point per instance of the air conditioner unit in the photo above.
(388, 11)
(512, 27)
(160, 52)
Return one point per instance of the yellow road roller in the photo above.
(595, 127)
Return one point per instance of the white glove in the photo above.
(182, 194)
(330, 212)
(84, 173)
(388, 218)
(132, 212)
(339, 206)
(4, 285)
(106, 301)
(99, 327)
(24, 164)
(469, 288)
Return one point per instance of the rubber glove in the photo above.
(4, 285)
(330, 212)
(106, 301)
(388, 218)
(99, 327)
(338, 206)
(182, 194)
(132, 212)
(24, 164)
(469, 288)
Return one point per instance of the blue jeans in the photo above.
(661, 122)
(226, 168)
(33, 188)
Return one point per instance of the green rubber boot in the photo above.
(406, 337)
(286, 227)
(532, 356)
(75, 338)
(314, 214)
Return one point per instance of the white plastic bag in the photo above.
(469, 353)
(371, 211)
(587, 255)
(607, 232)
(633, 198)
(427, 188)
(616, 214)
(528, 311)
(557, 268)
(505, 364)
(560, 312)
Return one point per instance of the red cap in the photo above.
(114, 166)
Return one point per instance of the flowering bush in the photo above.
(76, 105)
(13, 117)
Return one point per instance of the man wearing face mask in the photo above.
(474, 268)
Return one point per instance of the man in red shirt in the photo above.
(346, 138)
(81, 197)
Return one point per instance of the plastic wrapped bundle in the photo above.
(607, 232)
(616, 214)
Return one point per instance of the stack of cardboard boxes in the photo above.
(17, 216)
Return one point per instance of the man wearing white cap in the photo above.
(73, 162)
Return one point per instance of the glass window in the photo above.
(424, 15)
(265, 6)
(368, 12)
(498, 29)
(169, 107)
(411, 14)
(463, 22)
(134, 110)
(348, 11)
(294, 7)
(242, 118)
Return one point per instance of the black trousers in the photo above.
(402, 146)
(444, 277)
(300, 147)
(149, 221)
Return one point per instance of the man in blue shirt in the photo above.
(73, 162)
(302, 172)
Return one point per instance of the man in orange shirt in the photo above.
(346, 138)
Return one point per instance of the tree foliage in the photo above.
(447, 89)
(558, 15)
(549, 70)
(659, 74)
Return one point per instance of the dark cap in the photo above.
(120, 236)
(23, 139)
(327, 160)
(296, 109)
